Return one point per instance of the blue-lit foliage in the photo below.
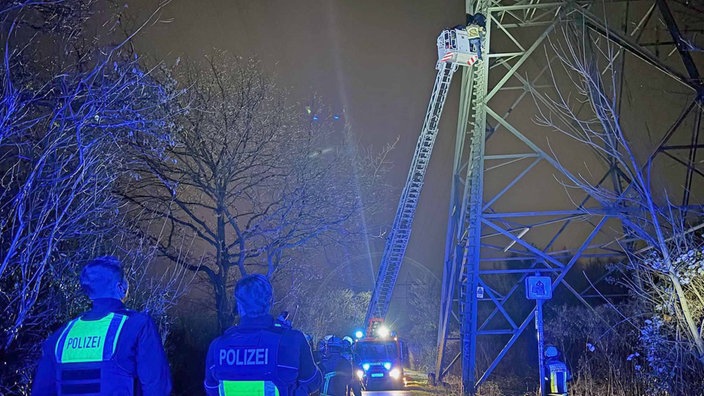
(663, 270)
(70, 117)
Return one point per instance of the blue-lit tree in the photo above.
(665, 267)
(72, 110)
(252, 178)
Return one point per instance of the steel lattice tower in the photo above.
(513, 211)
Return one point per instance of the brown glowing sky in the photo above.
(375, 59)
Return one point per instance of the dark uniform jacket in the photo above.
(557, 376)
(138, 354)
(337, 375)
(294, 360)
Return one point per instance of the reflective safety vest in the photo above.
(249, 388)
(557, 374)
(247, 364)
(84, 356)
(474, 31)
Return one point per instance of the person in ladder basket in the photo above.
(259, 357)
(476, 25)
(109, 350)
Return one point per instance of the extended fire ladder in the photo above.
(455, 48)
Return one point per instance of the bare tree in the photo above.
(251, 176)
(665, 267)
(70, 114)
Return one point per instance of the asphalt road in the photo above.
(415, 383)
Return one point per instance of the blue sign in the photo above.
(538, 287)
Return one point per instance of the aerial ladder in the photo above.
(458, 46)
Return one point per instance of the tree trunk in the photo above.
(222, 303)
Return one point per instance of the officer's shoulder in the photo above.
(217, 340)
(136, 317)
(294, 334)
(54, 336)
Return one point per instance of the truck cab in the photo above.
(380, 360)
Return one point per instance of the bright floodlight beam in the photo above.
(383, 331)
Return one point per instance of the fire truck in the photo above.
(380, 358)
(456, 47)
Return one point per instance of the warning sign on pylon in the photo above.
(538, 288)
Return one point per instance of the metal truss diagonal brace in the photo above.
(679, 44)
(597, 24)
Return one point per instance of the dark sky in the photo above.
(373, 58)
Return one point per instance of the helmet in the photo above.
(551, 351)
(348, 341)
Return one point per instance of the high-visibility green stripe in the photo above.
(248, 388)
(58, 347)
(85, 341)
(123, 318)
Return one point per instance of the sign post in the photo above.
(539, 288)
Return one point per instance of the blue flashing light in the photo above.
(315, 118)
(336, 117)
(387, 365)
(358, 334)
(366, 366)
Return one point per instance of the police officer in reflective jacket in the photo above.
(259, 356)
(108, 350)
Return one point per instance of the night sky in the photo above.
(373, 63)
(374, 59)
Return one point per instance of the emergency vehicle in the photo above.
(380, 358)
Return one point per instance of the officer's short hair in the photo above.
(101, 274)
(253, 294)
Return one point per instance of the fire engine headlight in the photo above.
(395, 373)
(360, 374)
(383, 332)
(366, 366)
(387, 365)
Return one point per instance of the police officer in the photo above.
(257, 356)
(109, 350)
(556, 371)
